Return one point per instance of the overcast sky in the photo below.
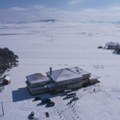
(72, 10)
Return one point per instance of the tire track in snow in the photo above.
(65, 112)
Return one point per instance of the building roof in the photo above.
(67, 74)
(111, 44)
(36, 78)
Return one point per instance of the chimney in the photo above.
(50, 70)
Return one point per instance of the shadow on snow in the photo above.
(21, 94)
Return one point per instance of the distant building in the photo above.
(117, 50)
(57, 80)
(111, 45)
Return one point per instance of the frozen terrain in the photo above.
(58, 45)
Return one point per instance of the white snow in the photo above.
(7, 78)
(59, 45)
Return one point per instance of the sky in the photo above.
(80, 10)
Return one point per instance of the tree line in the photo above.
(8, 60)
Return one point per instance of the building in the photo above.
(37, 83)
(111, 45)
(57, 80)
(67, 78)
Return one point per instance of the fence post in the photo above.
(2, 108)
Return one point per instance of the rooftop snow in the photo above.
(111, 43)
(36, 78)
(67, 74)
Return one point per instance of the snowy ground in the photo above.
(43, 45)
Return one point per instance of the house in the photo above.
(111, 45)
(57, 80)
(67, 78)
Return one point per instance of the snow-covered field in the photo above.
(58, 45)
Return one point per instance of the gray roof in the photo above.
(111, 44)
(67, 74)
(36, 78)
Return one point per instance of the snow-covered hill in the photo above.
(58, 45)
